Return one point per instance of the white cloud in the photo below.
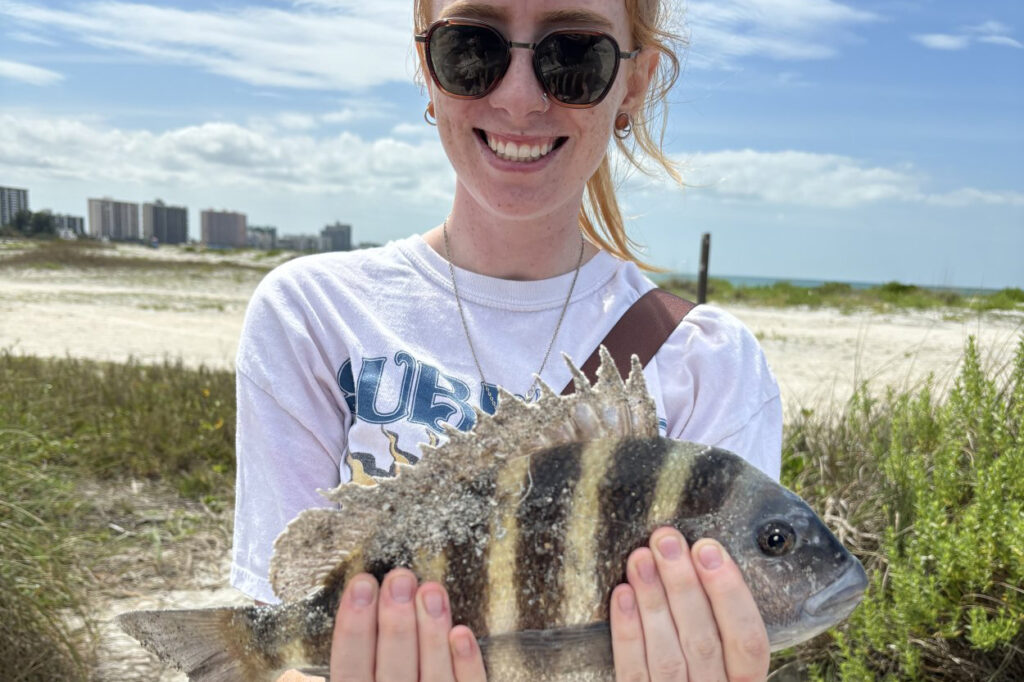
(1001, 40)
(990, 32)
(818, 180)
(989, 27)
(722, 31)
(226, 155)
(26, 73)
(969, 196)
(292, 120)
(26, 37)
(942, 41)
(347, 46)
(412, 130)
(354, 45)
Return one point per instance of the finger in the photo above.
(690, 608)
(434, 620)
(467, 660)
(627, 636)
(743, 634)
(354, 642)
(396, 628)
(665, 659)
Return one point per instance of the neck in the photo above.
(511, 247)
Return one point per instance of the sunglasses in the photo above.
(576, 68)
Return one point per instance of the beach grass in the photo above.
(928, 492)
(93, 255)
(74, 435)
(842, 296)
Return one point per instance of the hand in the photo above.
(379, 630)
(686, 614)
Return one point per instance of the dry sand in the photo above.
(818, 357)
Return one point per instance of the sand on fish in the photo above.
(818, 356)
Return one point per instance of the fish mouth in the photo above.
(839, 599)
(824, 609)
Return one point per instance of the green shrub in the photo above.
(884, 297)
(931, 497)
(120, 420)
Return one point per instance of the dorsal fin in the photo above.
(317, 540)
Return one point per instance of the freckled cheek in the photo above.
(596, 132)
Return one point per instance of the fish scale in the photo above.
(527, 520)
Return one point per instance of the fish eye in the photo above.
(776, 538)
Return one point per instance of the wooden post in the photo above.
(702, 277)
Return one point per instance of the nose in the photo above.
(519, 93)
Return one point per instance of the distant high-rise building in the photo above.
(336, 237)
(114, 220)
(262, 237)
(223, 229)
(169, 224)
(12, 200)
(306, 243)
(68, 225)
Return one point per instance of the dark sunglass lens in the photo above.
(576, 68)
(467, 60)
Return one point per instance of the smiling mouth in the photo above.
(523, 152)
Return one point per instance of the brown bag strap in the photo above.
(640, 331)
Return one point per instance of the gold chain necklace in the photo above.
(465, 327)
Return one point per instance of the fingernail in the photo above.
(402, 588)
(627, 604)
(463, 645)
(670, 548)
(645, 567)
(433, 603)
(710, 556)
(362, 593)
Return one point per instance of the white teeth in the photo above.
(510, 151)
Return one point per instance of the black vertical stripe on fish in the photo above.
(627, 495)
(712, 476)
(466, 558)
(543, 520)
(380, 564)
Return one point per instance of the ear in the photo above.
(642, 72)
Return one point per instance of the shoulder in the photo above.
(713, 344)
(713, 365)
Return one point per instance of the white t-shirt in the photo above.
(351, 360)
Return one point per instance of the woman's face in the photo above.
(566, 145)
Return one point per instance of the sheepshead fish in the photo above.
(527, 520)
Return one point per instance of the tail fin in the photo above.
(205, 644)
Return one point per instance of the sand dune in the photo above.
(818, 356)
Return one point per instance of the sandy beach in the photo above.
(114, 314)
(818, 356)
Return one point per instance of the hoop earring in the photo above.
(623, 125)
(428, 114)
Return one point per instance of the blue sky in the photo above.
(820, 139)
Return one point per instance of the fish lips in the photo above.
(838, 599)
(825, 608)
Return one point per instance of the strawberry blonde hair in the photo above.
(600, 218)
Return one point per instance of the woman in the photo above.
(348, 361)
